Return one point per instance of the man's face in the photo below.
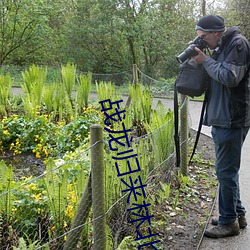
(211, 38)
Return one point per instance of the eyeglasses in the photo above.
(204, 35)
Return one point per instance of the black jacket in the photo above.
(229, 90)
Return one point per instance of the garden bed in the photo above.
(180, 218)
(54, 125)
(25, 164)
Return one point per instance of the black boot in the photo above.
(221, 231)
(241, 219)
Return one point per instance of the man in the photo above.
(228, 112)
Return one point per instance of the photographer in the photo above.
(228, 112)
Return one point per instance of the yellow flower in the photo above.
(73, 199)
(45, 151)
(16, 152)
(14, 209)
(38, 155)
(31, 187)
(37, 196)
(69, 211)
(6, 132)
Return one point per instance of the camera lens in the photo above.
(187, 53)
(190, 51)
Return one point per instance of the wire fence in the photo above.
(160, 87)
(57, 209)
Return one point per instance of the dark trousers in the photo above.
(228, 145)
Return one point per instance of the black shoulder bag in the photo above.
(191, 81)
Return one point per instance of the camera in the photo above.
(190, 51)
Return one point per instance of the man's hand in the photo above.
(200, 58)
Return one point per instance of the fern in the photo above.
(106, 90)
(6, 184)
(29, 245)
(33, 86)
(141, 103)
(49, 97)
(5, 90)
(56, 185)
(161, 127)
(68, 74)
(83, 90)
(126, 243)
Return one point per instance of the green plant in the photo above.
(6, 204)
(141, 103)
(64, 182)
(28, 244)
(126, 243)
(5, 90)
(162, 194)
(161, 132)
(23, 134)
(166, 189)
(184, 181)
(146, 102)
(139, 163)
(58, 102)
(6, 196)
(43, 137)
(68, 74)
(176, 199)
(106, 91)
(23, 246)
(62, 104)
(30, 207)
(83, 91)
(141, 107)
(56, 184)
(34, 81)
(48, 98)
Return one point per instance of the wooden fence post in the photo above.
(135, 74)
(98, 190)
(135, 82)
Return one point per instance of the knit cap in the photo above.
(210, 23)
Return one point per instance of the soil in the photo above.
(186, 222)
(25, 164)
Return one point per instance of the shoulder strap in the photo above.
(199, 127)
(176, 127)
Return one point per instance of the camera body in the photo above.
(190, 51)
